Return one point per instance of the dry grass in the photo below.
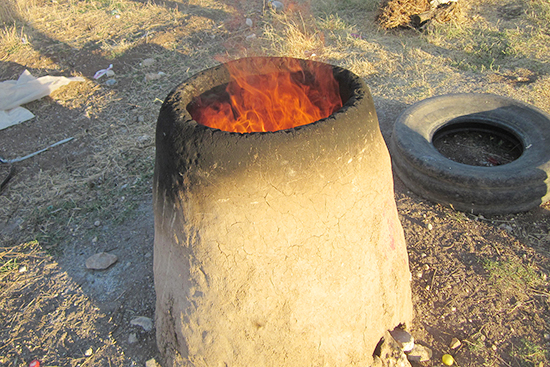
(13, 10)
(293, 35)
(114, 26)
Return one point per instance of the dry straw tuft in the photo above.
(398, 13)
(452, 11)
(407, 13)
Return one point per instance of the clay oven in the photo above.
(276, 248)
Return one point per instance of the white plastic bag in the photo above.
(14, 93)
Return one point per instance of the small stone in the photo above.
(132, 338)
(22, 269)
(97, 223)
(277, 6)
(249, 22)
(506, 227)
(251, 37)
(153, 76)
(111, 82)
(148, 62)
(94, 240)
(403, 339)
(151, 363)
(391, 354)
(89, 352)
(145, 322)
(143, 138)
(419, 354)
(101, 261)
(455, 343)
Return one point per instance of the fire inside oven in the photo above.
(260, 99)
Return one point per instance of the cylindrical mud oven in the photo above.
(279, 248)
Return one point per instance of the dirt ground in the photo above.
(482, 280)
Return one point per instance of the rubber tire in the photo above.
(509, 188)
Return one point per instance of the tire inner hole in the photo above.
(477, 144)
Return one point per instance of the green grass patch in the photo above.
(529, 354)
(8, 266)
(110, 201)
(479, 50)
(539, 13)
(459, 217)
(477, 345)
(10, 258)
(479, 46)
(513, 275)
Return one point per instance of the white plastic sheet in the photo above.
(14, 93)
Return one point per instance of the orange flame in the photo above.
(264, 95)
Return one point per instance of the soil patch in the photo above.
(478, 147)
